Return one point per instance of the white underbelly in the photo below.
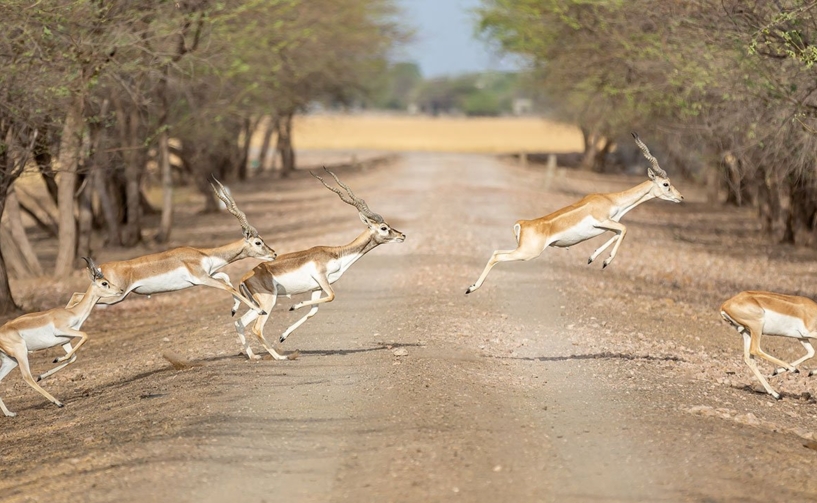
(292, 284)
(585, 230)
(42, 338)
(177, 279)
(781, 324)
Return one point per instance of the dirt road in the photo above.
(555, 381)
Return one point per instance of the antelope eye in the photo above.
(666, 184)
(384, 228)
(258, 243)
(104, 283)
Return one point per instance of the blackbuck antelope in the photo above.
(313, 270)
(755, 314)
(47, 329)
(184, 267)
(593, 215)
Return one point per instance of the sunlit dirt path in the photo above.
(406, 389)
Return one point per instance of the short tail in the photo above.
(246, 293)
(732, 321)
(517, 230)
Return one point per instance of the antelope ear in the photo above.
(651, 173)
(365, 219)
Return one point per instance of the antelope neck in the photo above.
(357, 248)
(630, 198)
(84, 306)
(229, 252)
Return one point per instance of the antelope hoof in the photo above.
(56, 360)
(232, 312)
(469, 289)
(293, 308)
(810, 373)
(775, 394)
(590, 260)
(59, 404)
(605, 264)
(10, 414)
(282, 338)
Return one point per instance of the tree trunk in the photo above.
(590, 150)
(86, 218)
(265, 144)
(41, 217)
(166, 223)
(772, 204)
(18, 234)
(787, 220)
(210, 202)
(108, 211)
(167, 188)
(285, 145)
(248, 127)
(132, 233)
(70, 145)
(600, 159)
(735, 186)
(7, 304)
(42, 156)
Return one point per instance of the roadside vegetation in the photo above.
(101, 95)
(724, 90)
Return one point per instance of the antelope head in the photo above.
(255, 246)
(102, 287)
(662, 188)
(382, 232)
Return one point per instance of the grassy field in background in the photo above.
(440, 134)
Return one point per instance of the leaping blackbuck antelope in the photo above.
(755, 314)
(313, 270)
(47, 329)
(593, 215)
(184, 267)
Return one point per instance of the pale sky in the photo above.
(444, 38)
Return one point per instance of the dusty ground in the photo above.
(556, 381)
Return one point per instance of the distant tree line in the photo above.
(724, 89)
(91, 91)
(402, 87)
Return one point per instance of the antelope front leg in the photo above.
(601, 248)
(315, 296)
(70, 332)
(70, 352)
(796, 363)
(757, 351)
(326, 287)
(620, 231)
(67, 348)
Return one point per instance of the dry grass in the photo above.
(435, 134)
